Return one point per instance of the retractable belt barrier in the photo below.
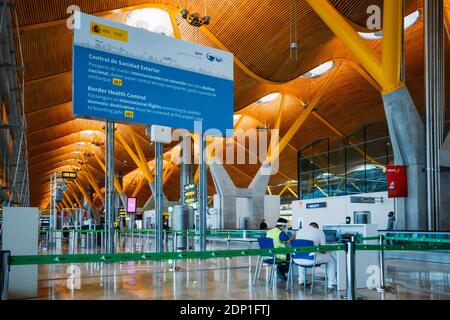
(350, 247)
(179, 232)
(430, 240)
(152, 256)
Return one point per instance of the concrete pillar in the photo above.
(228, 194)
(258, 188)
(150, 203)
(257, 212)
(407, 133)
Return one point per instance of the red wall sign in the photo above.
(397, 181)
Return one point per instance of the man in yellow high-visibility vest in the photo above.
(280, 237)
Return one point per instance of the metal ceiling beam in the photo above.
(387, 71)
(273, 155)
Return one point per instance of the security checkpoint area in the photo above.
(227, 156)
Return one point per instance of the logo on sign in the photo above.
(102, 30)
(392, 186)
(213, 58)
(129, 114)
(96, 29)
(117, 82)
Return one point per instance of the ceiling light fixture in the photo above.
(195, 19)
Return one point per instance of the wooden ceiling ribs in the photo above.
(258, 35)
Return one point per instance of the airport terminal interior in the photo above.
(225, 149)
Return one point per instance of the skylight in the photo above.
(269, 98)
(409, 21)
(151, 19)
(320, 70)
(236, 117)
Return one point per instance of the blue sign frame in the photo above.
(126, 74)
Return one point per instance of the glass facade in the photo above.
(335, 166)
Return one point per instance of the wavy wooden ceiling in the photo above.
(257, 32)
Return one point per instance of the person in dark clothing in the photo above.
(166, 229)
(263, 225)
(391, 221)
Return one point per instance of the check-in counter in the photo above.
(366, 262)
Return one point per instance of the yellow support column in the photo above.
(144, 163)
(94, 184)
(173, 20)
(86, 197)
(344, 31)
(392, 44)
(68, 199)
(301, 119)
(66, 205)
(74, 195)
(144, 168)
(138, 188)
(280, 112)
(102, 165)
(293, 192)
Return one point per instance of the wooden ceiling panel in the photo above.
(48, 91)
(47, 51)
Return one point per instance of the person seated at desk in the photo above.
(280, 237)
(314, 234)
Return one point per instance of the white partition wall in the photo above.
(334, 210)
(20, 236)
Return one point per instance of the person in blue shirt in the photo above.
(280, 238)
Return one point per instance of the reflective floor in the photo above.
(223, 279)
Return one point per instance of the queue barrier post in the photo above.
(187, 241)
(383, 288)
(4, 272)
(350, 247)
(175, 248)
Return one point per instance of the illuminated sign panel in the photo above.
(131, 205)
(69, 175)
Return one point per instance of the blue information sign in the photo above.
(316, 205)
(127, 74)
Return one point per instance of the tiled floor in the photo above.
(224, 279)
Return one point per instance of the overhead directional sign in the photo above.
(191, 195)
(127, 74)
(69, 175)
